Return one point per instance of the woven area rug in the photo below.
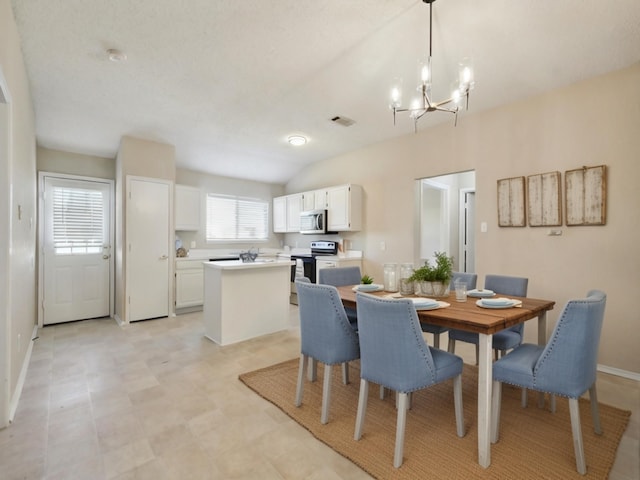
(534, 443)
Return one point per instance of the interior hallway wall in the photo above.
(19, 233)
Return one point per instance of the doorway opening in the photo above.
(447, 218)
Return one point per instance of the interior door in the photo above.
(148, 248)
(468, 237)
(76, 249)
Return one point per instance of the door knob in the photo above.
(164, 257)
(106, 257)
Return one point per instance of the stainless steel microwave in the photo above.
(313, 221)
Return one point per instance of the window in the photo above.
(78, 221)
(235, 218)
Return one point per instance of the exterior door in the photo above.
(148, 248)
(76, 251)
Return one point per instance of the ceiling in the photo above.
(226, 81)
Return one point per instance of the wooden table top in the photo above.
(467, 315)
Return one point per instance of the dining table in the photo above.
(469, 316)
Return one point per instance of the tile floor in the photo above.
(156, 400)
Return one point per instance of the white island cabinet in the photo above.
(245, 300)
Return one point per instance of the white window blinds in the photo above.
(78, 220)
(235, 218)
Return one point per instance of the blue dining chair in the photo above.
(505, 339)
(339, 277)
(393, 354)
(566, 366)
(325, 336)
(436, 330)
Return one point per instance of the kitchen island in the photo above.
(245, 300)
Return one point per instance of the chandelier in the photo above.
(424, 103)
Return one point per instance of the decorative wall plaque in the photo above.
(586, 195)
(544, 200)
(511, 198)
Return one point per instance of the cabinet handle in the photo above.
(164, 257)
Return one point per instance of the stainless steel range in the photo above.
(305, 265)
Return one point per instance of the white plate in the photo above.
(430, 306)
(366, 288)
(424, 302)
(482, 293)
(510, 304)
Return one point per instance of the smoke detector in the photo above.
(116, 55)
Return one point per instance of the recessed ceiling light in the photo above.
(296, 140)
(116, 55)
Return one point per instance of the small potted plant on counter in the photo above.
(434, 280)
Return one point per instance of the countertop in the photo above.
(239, 265)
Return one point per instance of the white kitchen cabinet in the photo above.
(344, 208)
(280, 214)
(187, 208)
(189, 283)
(314, 200)
(294, 207)
(286, 213)
(334, 262)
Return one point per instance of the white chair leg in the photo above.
(574, 411)
(457, 402)
(326, 394)
(523, 400)
(451, 347)
(436, 340)
(496, 403)
(400, 427)
(595, 414)
(362, 408)
(312, 375)
(300, 385)
(345, 373)
(381, 392)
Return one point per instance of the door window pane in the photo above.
(78, 221)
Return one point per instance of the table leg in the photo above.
(484, 399)
(542, 340)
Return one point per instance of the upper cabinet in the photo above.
(187, 208)
(315, 200)
(286, 213)
(280, 214)
(344, 208)
(343, 204)
(294, 207)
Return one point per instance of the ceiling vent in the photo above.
(344, 121)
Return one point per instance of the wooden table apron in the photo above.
(484, 321)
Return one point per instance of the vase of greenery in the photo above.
(433, 280)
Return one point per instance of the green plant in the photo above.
(442, 271)
(444, 267)
(424, 273)
(366, 280)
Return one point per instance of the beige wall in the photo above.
(141, 158)
(226, 186)
(594, 122)
(18, 187)
(56, 161)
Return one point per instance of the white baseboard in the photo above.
(15, 398)
(619, 372)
